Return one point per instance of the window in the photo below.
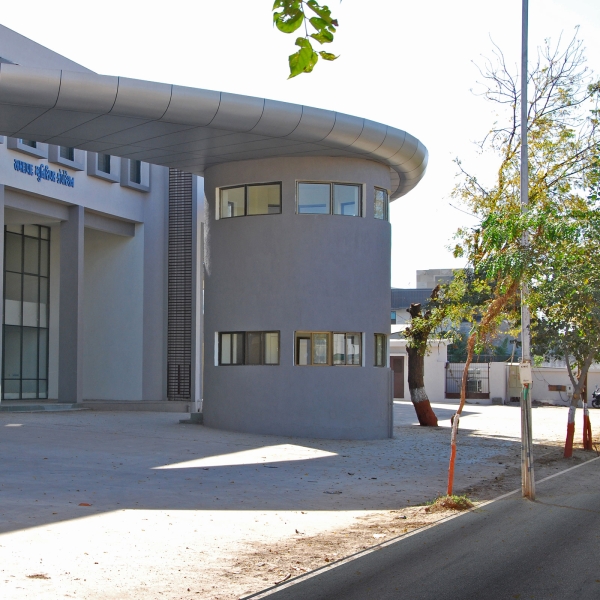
(26, 300)
(314, 198)
(135, 171)
(104, 163)
(393, 315)
(29, 143)
(346, 348)
(329, 198)
(380, 350)
(381, 204)
(67, 153)
(316, 348)
(254, 199)
(249, 348)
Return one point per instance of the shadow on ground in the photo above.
(55, 465)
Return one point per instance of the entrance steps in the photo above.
(29, 407)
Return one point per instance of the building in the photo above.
(105, 173)
(429, 278)
(402, 298)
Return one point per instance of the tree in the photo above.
(563, 143)
(417, 335)
(448, 306)
(565, 297)
(291, 15)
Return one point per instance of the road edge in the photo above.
(275, 588)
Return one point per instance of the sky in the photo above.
(411, 65)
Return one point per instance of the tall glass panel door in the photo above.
(26, 312)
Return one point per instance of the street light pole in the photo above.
(527, 475)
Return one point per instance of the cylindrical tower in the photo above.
(297, 298)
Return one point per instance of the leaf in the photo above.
(304, 60)
(322, 11)
(291, 17)
(327, 55)
(323, 37)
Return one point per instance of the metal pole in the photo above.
(527, 475)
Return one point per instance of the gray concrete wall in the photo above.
(113, 316)
(293, 272)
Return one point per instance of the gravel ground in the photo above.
(135, 505)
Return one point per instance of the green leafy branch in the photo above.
(290, 15)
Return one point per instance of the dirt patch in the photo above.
(265, 566)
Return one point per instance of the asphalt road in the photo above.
(511, 548)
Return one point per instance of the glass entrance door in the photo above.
(26, 312)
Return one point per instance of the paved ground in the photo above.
(135, 505)
(511, 548)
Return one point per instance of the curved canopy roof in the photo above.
(188, 128)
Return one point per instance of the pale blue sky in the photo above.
(405, 64)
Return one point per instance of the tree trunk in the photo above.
(571, 427)
(416, 387)
(578, 386)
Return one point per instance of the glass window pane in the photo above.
(104, 163)
(43, 302)
(353, 343)
(43, 389)
(31, 230)
(12, 352)
(29, 388)
(379, 350)
(346, 200)
(303, 352)
(253, 350)
(12, 389)
(314, 198)
(14, 252)
(15, 228)
(67, 152)
(44, 248)
(225, 349)
(30, 300)
(272, 348)
(135, 171)
(339, 350)
(237, 348)
(232, 202)
(12, 299)
(43, 362)
(30, 353)
(45, 233)
(381, 201)
(264, 199)
(32, 255)
(320, 348)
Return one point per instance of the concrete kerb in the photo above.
(291, 582)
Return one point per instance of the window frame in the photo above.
(245, 352)
(302, 335)
(332, 185)
(360, 346)
(385, 350)
(386, 206)
(246, 186)
(41, 328)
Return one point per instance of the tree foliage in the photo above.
(290, 15)
(515, 249)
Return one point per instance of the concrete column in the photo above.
(197, 285)
(70, 344)
(1, 278)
